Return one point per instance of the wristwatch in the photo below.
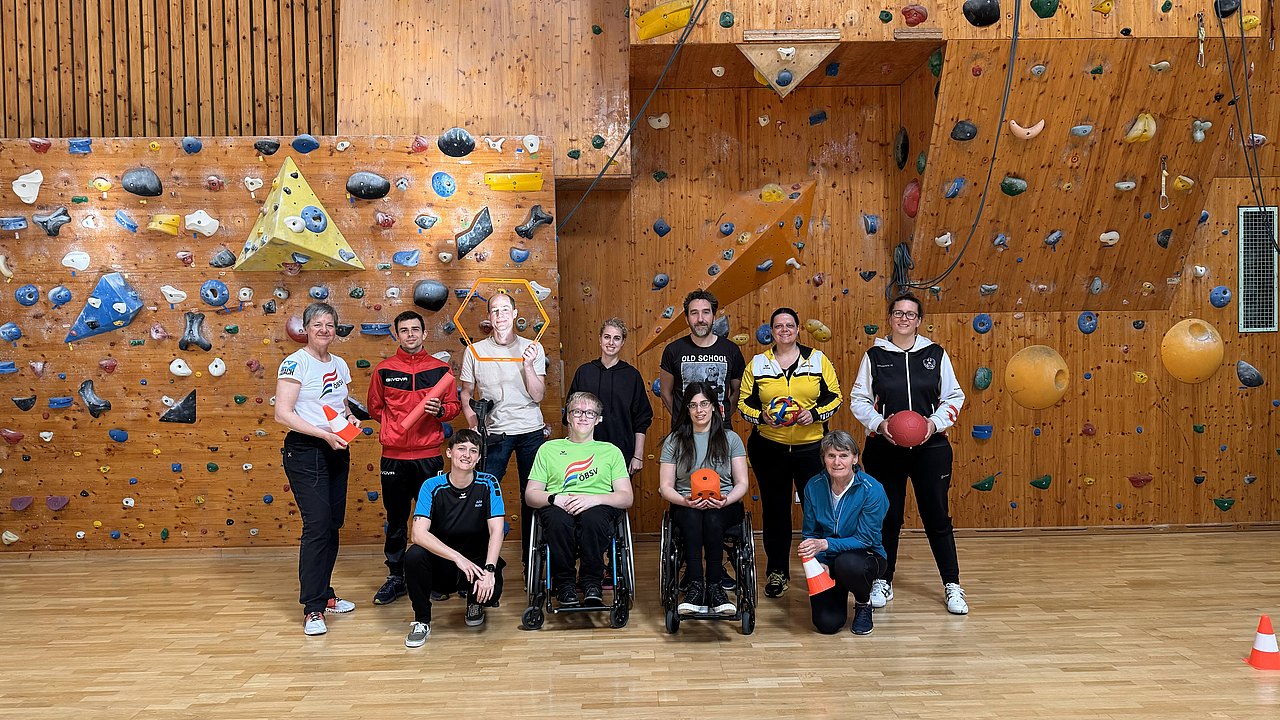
(551, 499)
(491, 568)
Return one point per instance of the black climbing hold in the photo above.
(267, 146)
(223, 259)
(867, 275)
(818, 117)
(481, 228)
(25, 403)
(182, 412)
(901, 147)
(456, 142)
(1139, 324)
(1126, 31)
(344, 329)
(964, 131)
(430, 295)
(269, 307)
(1246, 373)
(1163, 237)
(193, 334)
(97, 405)
(981, 13)
(1225, 8)
(53, 222)
(142, 182)
(537, 217)
(368, 186)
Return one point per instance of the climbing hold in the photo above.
(537, 218)
(1140, 377)
(713, 270)
(660, 281)
(108, 365)
(1044, 9)
(180, 367)
(172, 295)
(217, 368)
(1163, 237)
(1037, 377)
(113, 304)
(27, 295)
(142, 182)
(404, 258)
(481, 228)
(540, 292)
(381, 219)
(222, 259)
(944, 240)
(1183, 183)
(982, 323)
(27, 187)
(661, 227)
(784, 78)
(430, 295)
(1220, 296)
(10, 332)
(52, 222)
(818, 330)
(1248, 374)
(1225, 8)
(981, 13)
(1140, 479)
(765, 266)
(25, 403)
(267, 146)
(184, 411)
(1104, 7)
(913, 15)
(215, 293)
(1095, 285)
(1087, 322)
(982, 378)
(1142, 129)
(1053, 238)
(1109, 238)
(911, 198)
(597, 141)
(963, 131)
(954, 188)
(193, 334)
(456, 142)
(1081, 130)
(772, 192)
(764, 335)
(988, 289)
(1013, 186)
(1026, 133)
(320, 292)
(118, 435)
(96, 405)
(1224, 504)
(901, 147)
(935, 63)
(367, 186)
(13, 437)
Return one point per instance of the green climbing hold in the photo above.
(232, 329)
(886, 16)
(241, 399)
(211, 467)
(596, 29)
(356, 293)
(79, 199)
(1200, 429)
(537, 326)
(921, 160)
(1044, 8)
(1224, 504)
(726, 19)
(985, 484)
(659, 175)
(982, 378)
(1013, 186)
(597, 141)
(164, 534)
(935, 63)
(574, 154)
(384, 266)
(871, 329)
(1167, 6)
(1042, 482)
(1097, 70)
(136, 343)
(362, 363)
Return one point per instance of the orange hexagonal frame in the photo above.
(457, 316)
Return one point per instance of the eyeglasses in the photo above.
(700, 405)
(904, 315)
(588, 414)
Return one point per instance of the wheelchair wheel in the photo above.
(748, 619)
(669, 567)
(746, 565)
(532, 618)
(672, 620)
(619, 615)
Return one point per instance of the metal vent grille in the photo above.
(1257, 269)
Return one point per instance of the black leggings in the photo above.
(570, 538)
(426, 572)
(853, 572)
(702, 532)
(929, 467)
(778, 469)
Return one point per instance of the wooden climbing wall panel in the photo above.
(211, 500)
(919, 102)
(1071, 179)
(494, 67)
(162, 67)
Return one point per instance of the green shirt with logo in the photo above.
(587, 468)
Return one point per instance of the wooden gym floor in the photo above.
(1089, 626)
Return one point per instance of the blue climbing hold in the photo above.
(375, 328)
(115, 534)
(833, 69)
(118, 435)
(519, 254)
(726, 229)
(126, 222)
(305, 143)
(407, 258)
(448, 431)
(656, 387)
(191, 145)
(372, 495)
(982, 432)
(784, 78)
(444, 184)
(214, 292)
(133, 481)
(318, 292)
(817, 117)
(954, 188)
(17, 222)
(59, 296)
(117, 304)
(765, 266)
(982, 323)
(80, 146)
(176, 467)
(871, 223)
(1220, 296)
(27, 295)
(1053, 238)
(268, 499)
(660, 281)
(314, 218)
(61, 402)
(10, 332)
(764, 335)
(1204, 217)
(1087, 322)
(1036, 432)
(661, 227)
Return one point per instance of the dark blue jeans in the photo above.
(498, 453)
(318, 478)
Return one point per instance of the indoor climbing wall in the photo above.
(152, 287)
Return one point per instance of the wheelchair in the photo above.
(620, 571)
(740, 549)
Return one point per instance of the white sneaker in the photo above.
(418, 635)
(955, 599)
(338, 605)
(881, 593)
(314, 624)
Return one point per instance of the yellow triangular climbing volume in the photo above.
(800, 59)
(766, 224)
(295, 228)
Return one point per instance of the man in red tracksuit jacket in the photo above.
(410, 454)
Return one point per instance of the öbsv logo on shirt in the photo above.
(930, 364)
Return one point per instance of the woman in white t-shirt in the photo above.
(700, 440)
(316, 459)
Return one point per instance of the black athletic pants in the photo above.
(498, 453)
(401, 482)
(426, 572)
(318, 479)
(702, 532)
(853, 572)
(929, 467)
(778, 469)
(570, 537)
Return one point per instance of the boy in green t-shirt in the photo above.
(579, 487)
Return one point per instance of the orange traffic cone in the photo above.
(818, 578)
(340, 425)
(1265, 655)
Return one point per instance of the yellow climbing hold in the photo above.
(740, 339)
(101, 184)
(1104, 7)
(1182, 182)
(760, 78)
(1037, 377)
(105, 469)
(1142, 130)
(818, 330)
(772, 192)
(1251, 22)
(97, 523)
(665, 18)
(514, 181)
(1140, 377)
(1088, 480)
(167, 224)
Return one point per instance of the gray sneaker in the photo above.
(418, 634)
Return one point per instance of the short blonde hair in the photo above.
(617, 323)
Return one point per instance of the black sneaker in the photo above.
(391, 590)
(726, 579)
(862, 623)
(718, 602)
(592, 593)
(567, 596)
(475, 614)
(694, 598)
(776, 585)
(439, 596)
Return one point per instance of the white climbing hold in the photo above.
(76, 260)
(46, 436)
(79, 534)
(445, 257)
(763, 120)
(531, 143)
(167, 401)
(90, 222)
(4, 267)
(1161, 66)
(253, 184)
(9, 537)
(495, 144)
(201, 222)
(1126, 185)
(1109, 238)
(281, 293)
(540, 292)
(128, 502)
(660, 122)
(393, 293)
(787, 53)
(246, 467)
(244, 294)
(342, 145)
(26, 187)
(793, 263)
(120, 308)
(295, 223)
(180, 367)
(718, 71)
(1198, 128)
(944, 240)
(1199, 270)
(94, 302)
(217, 367)
(443, 356)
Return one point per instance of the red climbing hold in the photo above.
(383, 220)
(420, 144)
(914, 15)
(108, 365)
(911, 198)
(40, 145)
(13, 437)
(1139, 479)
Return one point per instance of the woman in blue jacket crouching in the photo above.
(844, 512)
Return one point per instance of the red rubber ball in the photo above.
(909, 428)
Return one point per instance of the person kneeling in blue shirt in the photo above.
(844, 511)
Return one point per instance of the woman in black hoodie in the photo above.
(627, 412)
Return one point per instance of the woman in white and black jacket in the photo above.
(906, 371)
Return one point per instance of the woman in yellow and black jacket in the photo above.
(783, 447)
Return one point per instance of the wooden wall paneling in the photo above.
(8, 70)
(285, 20)
(22, 51)
(302, 68)
(40, 96)
(58, 34)
(120, 65)
(162, 50)
(918, 104)
(274, 71)
(246, 69)
(168, 499)
(1265, 102)
(95, 71)
(219, 76)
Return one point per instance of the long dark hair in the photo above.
(682, 434)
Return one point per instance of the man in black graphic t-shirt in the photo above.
(701, 356)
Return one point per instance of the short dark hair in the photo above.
(488, 304)
(908, 297)
(406, 316)
(784, 311)
(466, 435)
(701, 294)
(615, 322)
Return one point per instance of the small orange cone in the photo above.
(818, 578)
(340, 425)
(1265, 655)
